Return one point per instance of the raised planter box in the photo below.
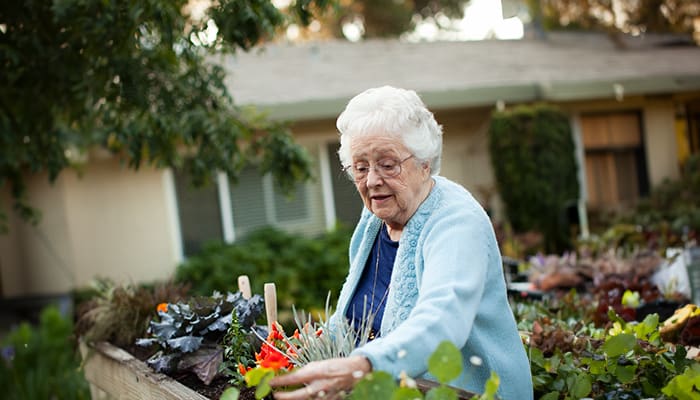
(115, 374)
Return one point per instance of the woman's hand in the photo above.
(323, 379)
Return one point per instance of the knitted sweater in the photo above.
(447, 284)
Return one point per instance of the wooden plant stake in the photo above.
(244, 286)
(270, 304)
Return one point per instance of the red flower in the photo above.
(275, 360)
(274, 334)
(242, 369)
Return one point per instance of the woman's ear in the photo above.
(426, 167)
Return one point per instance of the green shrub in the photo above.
(41, 362)
(532, 152)
(303, 269)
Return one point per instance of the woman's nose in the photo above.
(373, 178)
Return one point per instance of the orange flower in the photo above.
(275, 361)
(274, 334)
(162, 307)
(242, 369)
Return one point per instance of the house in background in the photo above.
(635, 115)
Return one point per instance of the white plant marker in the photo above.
(244, 286)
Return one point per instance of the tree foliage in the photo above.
(634, 17)
(132, 77)
(386, 18)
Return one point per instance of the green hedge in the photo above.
(303, 269)
(532, 152)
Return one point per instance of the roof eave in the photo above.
(490, 95)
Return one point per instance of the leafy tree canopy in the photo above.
(615, 17)
(131, 76)
(386, 18)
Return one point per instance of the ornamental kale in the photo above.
(190, 334)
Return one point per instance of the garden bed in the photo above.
(114, 373)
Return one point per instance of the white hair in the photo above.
(394, 112)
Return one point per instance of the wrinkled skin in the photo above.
(327, 379)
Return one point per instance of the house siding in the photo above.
(110, 223)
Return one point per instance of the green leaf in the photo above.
(619, 344)
(550, 396)
(230, 394)
(553, 363)
(441, 393)
(581, 386)
(596, 367)
(685, 386)
(376, 385)
(491, 387)
(630, 298)
(262, 390)
(650, 389)
(536, 356)
(446, 362)
(626, 373)
(404, 393)
(256, 375)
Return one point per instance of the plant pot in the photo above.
(115, 374)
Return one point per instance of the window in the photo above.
(255, 203)
(614, 158)
(228, 210)
(347, 202)
(199, 211)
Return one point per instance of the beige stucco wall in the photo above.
(37, 259)
(465, 153)
(110, 222)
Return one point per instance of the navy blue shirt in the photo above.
(371, 294)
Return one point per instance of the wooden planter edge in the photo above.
(122, 376)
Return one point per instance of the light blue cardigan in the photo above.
(447, 284)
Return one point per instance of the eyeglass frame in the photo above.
(377, 171)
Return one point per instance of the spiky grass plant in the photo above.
(316, 340)
(312, 341)
(120, 314)
(321, 341)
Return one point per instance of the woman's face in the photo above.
(392, 199)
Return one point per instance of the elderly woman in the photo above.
(423, 258)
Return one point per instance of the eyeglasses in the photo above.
(385, 168)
